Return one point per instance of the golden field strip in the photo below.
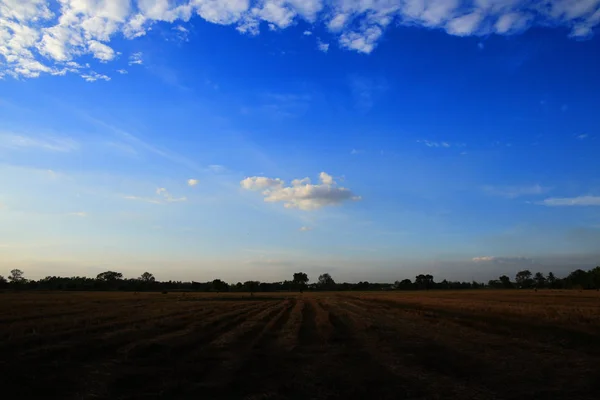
(480, 344)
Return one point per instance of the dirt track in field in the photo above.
(288, 346)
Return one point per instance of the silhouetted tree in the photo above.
(109, 276)
(251, 286)
(551, 279)
(326, 282)
(523, 279)
(16, 276)
(109, 279)
(540, 280)
(3, 281)
(147, 277)
(505, 281)
(220, 286)
(300, 280)
(404, 284)
(424, 281)
(579, 278)
(595, 277)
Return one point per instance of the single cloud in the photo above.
(144, 199)
(79, 214)
(136, 59)
(324, 47)
(430, 143)
(305, 229)
(216, 168)
(582, 136)
(307, 33)
(301, 194)
(571, 201)
(502, 260)
(163, 196)
(47, 143)
(192, 182)
(512, 192)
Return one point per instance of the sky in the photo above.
(241, 139)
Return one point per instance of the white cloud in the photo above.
(571, 201)
(502, 260)
(136, 59)
(431, 143)
(93, 76)
(582, 136)
(48, 143)
(41, 36)
(101, 51)
(307, 33)
(144, 199)
(122, 71)
(465, 25)
(163, 196)
(216, 168)
(79, 214)
(260, 182)
(513, 22)
(305, 229)
(192, 182)
(363, 41)
(301, 193)
(512, 192)
(324, 47)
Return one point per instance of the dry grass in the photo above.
(428, 345)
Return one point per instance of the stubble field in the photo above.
(389, 345)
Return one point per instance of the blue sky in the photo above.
(458, 138)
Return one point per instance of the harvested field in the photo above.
(413, 345)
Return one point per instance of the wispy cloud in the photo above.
(281, 105)
(93, 76)
(167, 196)
(144, 199)
(582, 136)
(78, 214)
(301, 194)
(163, 197)
(136, 59)
(571, 201)
(122, 71)
(140, 144)
(356, 151)
(445, 145)
(324, 47)
(192, 182)
(48, 143)
(512, 192)
(305, 229)
(367, 90)
(307, 33)
(502, 260)
(216, 168)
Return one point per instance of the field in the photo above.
(388, 345)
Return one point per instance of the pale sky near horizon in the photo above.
(237, 139)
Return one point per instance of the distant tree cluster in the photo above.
(111, 280)
(578, 279)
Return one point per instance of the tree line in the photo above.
(111, 280)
